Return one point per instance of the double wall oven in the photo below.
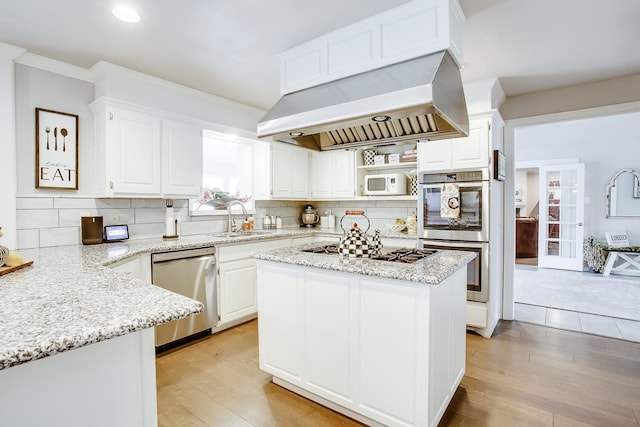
(453, 213)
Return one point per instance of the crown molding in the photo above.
(54, 66)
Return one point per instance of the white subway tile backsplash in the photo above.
(71, 217)
(28, 239)
(36, 218)
(75, 204)
(149, 215)
(59, 236)
(146, 230)
(202, 227)
(148, 203)
(34, 203)
(113, 203)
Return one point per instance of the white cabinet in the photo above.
(136, 266)
(237, 285)
(181, 158)
(329, 333)
(470, 152)
(333, 175)
(411, 30)
(236, 279)
(128, 148)
(289, 172)
(144, 154)
(262, 170)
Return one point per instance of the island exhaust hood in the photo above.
(418, 99)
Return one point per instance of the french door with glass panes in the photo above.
(561, 216)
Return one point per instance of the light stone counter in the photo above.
(431, 270)
(69, 298)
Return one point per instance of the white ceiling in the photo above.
(229, 47)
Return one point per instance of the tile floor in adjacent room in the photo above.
(582, 322)
(578, 301)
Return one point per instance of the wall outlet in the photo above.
(114, 218)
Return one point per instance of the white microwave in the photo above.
(388, 184)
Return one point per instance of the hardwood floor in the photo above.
(525, 375)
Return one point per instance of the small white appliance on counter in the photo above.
(388, 184)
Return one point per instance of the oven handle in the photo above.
(453, 244)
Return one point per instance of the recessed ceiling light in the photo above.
(126, 14)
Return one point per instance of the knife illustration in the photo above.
(55, 137)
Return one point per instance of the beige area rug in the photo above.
(613, 296)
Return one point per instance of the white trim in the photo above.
(534, 164)
(54, 66)
(509, 205)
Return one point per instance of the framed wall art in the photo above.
(499, 165)
(56, 150)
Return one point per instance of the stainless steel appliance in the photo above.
(421, 98)
(467, 231)
(388, 184)
(477, 270)
(404, 255)
(309, 216)
(190, 273)
(473, 221)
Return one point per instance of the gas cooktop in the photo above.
(406, 255)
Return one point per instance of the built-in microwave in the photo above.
(388, 184)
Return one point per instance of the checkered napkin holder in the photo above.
(356, 243)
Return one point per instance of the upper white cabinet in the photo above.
(289, 171)
(333, 175)
(181, 158)
(411, 30)
(142, 154)
(471, 152)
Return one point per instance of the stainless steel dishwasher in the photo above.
(190, 273)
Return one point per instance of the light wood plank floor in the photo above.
(525, 375)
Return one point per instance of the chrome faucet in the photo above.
(231, 225)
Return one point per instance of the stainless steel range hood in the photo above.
(418, 99)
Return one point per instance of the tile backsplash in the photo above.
(55, 221)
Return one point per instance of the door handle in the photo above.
(579, 224)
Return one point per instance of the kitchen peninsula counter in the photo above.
(382, 342)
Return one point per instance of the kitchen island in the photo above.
(381, 342)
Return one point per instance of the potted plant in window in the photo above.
(594, 254)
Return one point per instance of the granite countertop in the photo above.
(70, 298)
(431, 270)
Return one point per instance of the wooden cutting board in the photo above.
(7, 270)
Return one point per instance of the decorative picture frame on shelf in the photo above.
(499, 165)
(636, 188)
(56, 150)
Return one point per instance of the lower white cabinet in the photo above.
(374, 348)
(237, 289)
(137, 266)
(236, 279)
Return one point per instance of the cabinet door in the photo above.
(472, 151)
(333, 174)
(343, 174)
(181, 158)
(321, 174)
(290, 172)
(237, 289)
(262, 170)
(134, 156)
(435, 155)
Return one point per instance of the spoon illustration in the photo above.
(55, 137)
(47, 130)
(63, 132)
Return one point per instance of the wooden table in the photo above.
(630, 263)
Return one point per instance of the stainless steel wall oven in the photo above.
(453, 214)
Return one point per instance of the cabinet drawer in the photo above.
(244, 250)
